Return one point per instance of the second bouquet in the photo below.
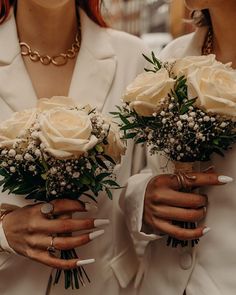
(184, 109)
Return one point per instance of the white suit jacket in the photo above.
(210, 268)
(108, 61)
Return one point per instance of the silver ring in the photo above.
(51, 248)
(47, 210)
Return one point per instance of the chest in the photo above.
(50, 80)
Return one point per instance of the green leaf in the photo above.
(111, 182)
(101, 163)
(85, 180)
(109, 193)
(130, 135)
(109, 159)
(148, 59)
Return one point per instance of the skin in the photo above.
(223, 21)
(56, 35)
(57, 32)
(35, 232)
(163, 201)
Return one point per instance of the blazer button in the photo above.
(186, 260)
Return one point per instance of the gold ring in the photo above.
(183, 179)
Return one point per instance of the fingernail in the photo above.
(90, 207)
(225, 179)
(101, 222)
(206, 230)
(84, 262)
(96, 234)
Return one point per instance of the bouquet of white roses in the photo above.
(59, 150)
(185, 108)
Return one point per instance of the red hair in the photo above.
(91, 7)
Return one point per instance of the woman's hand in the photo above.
(29, 232)
(164, 203)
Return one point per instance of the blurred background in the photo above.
(157, 22)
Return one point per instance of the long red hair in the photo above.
(91, 7)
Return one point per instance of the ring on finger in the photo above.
(51, 248)
(47, 210)
(183, 179)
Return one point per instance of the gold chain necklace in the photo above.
(57, 60)
(208, 43)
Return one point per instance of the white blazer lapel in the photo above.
(95, 67)
(15, 85)
(194, 48)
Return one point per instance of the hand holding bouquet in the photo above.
(184, 108)
(60, 150)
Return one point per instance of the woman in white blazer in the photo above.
(210, 267)
(107, 62)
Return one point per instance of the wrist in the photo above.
(5, 209)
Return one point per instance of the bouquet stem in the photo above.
(74, 278)
(183, 167)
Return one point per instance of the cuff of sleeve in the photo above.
(3, 241)
(134, 206)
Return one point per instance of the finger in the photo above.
(192, 180)
(179, 199)
(58, 226)
(52, 261)
(67, 206)
(178, 214)
(167, 227)
(65, 243)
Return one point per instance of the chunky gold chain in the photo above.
(208, 44)
(57, 60)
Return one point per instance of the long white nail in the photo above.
(90, 207)
(96, 234)
(101, 222)
(84, 262)
(225, 179)
(206, 230)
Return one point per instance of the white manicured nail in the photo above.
(96, 234)
(225, 179)
(84, 262)
(101, 222)
(206, 230)
(90, 207)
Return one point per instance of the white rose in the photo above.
(16, 127)
(45, 104)
(66, 133)
(115, 147)
(185, 65)
(148, 90)
(215, 89)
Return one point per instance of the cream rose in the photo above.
(115, 148)
(45, 104)
(16, 127)
(66, 133)
(215, 89)
(188, 64)
(148, 90)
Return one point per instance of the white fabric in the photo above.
(108, 61)
(3, 241)
(210, 268)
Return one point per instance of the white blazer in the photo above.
(210, 268)
(108, 61)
